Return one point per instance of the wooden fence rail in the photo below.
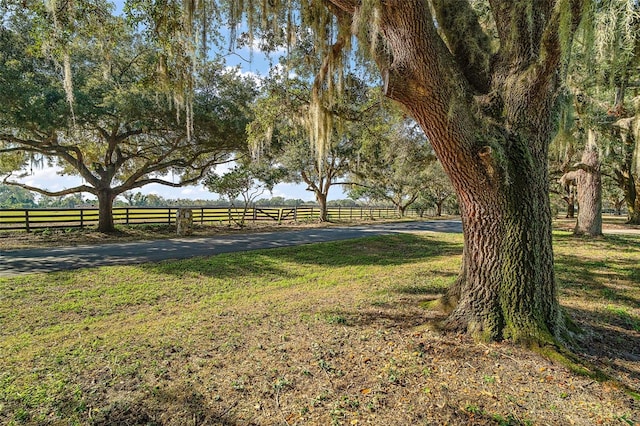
(30, 219)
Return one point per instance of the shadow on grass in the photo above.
(616, 335)
(611, 343)
(385, 250)
(620, 243)
(387, 318)
(227, 266)
(395, 249)
(586, 278)
(433, 283)
(177, 402)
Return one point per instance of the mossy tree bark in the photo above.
(488, 115)
(507, 287)
(632, 199)
(571, 206)
(570, 199)
(568, 183)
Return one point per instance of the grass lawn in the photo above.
(333, 333)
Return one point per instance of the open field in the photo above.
(334, 333)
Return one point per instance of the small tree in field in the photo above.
(280, 135)
(246, 182)
(438, 190)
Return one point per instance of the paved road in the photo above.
(20, 262)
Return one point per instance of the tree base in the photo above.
(526, 333)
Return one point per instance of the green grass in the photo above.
(83, 347)
(59, 325)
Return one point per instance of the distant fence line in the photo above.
(30, 219)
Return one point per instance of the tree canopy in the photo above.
(121, 132)
(392, 161)
(282, 135)
(16, 198)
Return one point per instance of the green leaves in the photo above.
(15, 198)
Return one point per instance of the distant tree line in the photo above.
(12, 197)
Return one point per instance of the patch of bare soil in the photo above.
(357, 364)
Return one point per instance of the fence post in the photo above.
(229, 213)
(255, 214)
(26, 220)
(295, 213)
(169, 215)
(126, 215)
(201, 215)
(81, 218)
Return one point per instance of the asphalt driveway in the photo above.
(18, 262)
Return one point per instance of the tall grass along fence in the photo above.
(31, 219)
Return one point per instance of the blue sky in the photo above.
(50, 179)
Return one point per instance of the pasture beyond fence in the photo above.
(32, 219)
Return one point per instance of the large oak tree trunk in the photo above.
(568, 183)
(490, 126)
(439, 207)
(633, 206)
(571, 206)
(632, 195)
(627, 175)
(507, 287)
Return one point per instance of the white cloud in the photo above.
(293, 191)
(255, 76)
(196, 192)
(48, 178)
